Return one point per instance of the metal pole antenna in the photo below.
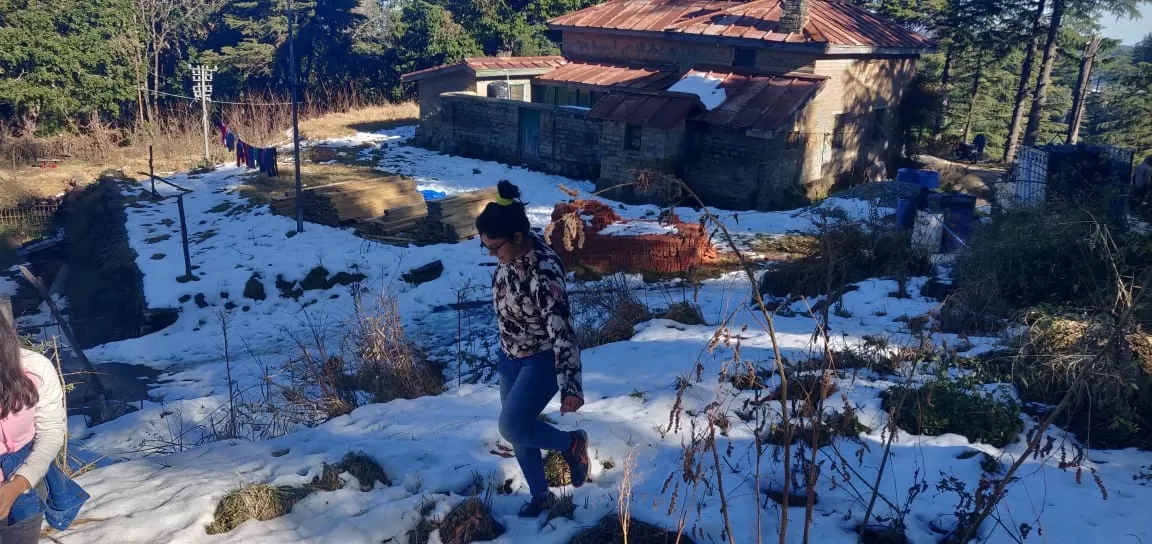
(202, 90)
(295, 113)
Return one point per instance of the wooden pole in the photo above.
(184, 236)
(151, 172)
(295, 114)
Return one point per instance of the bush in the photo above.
(607, 315)
(1107, 365)
(682, 312)
(958, 406)
(1055, 256)
(254, 288)
(390, 366)
(845, 252)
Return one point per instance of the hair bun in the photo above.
(507, 190)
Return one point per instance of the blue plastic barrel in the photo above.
(929, 179)
(907, 175)
(905, 213)
(959, 218)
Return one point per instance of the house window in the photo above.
(878, 134)
(744, 57)
(632, 137)
(516, 92)
(838, 131)
(540, 94)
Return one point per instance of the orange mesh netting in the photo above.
(677, 251)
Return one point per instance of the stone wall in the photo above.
(429, 130)
(636, 49)
(660, 151)
(730, 170)
(489, 129)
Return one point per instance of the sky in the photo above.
(1129, 32)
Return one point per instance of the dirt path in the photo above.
(973, 179)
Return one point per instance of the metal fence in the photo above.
(31, 221)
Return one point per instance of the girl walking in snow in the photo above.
(538, 354)
(32, 432)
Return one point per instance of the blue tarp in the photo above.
(433, 195)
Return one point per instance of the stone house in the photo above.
(759, 104)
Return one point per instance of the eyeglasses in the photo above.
(492, 249)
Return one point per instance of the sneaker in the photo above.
(577, 457)
(537, 506)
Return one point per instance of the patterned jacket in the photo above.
(531, 304)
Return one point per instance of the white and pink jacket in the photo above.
(43, 425)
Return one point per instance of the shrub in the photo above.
(316, 280)
(1108, 365)
(682, 312)
(845, 252)
(959, 406)
(390, 366)
(254, 288)
(607, 315)
(1057, 255)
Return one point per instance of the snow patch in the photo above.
(705, 86)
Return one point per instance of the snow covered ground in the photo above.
(161, 476)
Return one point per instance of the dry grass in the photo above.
(556, 470)
(366, 119)
(260, 502)
(472, 521)
(611, 531)
(390, 366)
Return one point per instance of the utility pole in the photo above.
(295, 125)
(202, 90)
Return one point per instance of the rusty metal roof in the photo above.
(834, 23)
(758, 103)
(482, 66)
(657, 109)
(610, 75)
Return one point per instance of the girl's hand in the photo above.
(570, 405)
(9, 492)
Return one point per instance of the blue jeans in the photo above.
(526, 387)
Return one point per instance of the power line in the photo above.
(219, 101)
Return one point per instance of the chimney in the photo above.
(795, 16)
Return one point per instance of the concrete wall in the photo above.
(856, 89)
(489, 129)
(632, 49)
(730, 170)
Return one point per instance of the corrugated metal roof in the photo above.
(657, 109)
(758, 102)
(478, 65)
(610, 75)
(830, 22)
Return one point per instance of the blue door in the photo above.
(529, 135)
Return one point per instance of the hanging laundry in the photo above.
(230, 141)
(251, 156)
(224, 133)
(240, 161)
(258, 153)
(268, 160)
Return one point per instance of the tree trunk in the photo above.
(945, 80)
(1076, 119)
(29, 120)
(1040, 96)
(975, 91)
(155, 82)
(1022, 88)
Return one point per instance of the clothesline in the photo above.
(263, 158)
(219, 101)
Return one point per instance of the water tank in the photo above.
(499, 89)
